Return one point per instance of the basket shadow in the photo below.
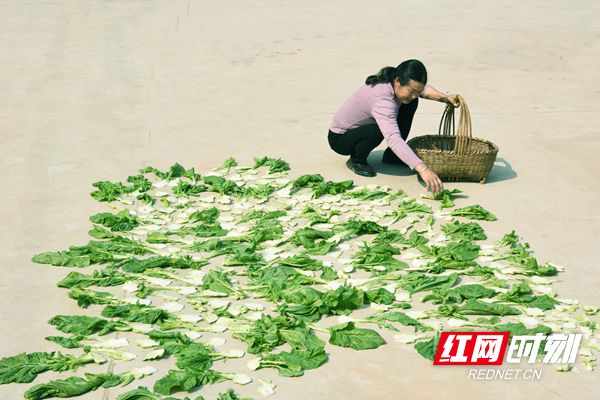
(501, 171)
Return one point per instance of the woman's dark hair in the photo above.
(407, 70)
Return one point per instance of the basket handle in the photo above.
(463, 133)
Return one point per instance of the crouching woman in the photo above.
(384, 107)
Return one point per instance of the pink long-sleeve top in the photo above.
(375, 105)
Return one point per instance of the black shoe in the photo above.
(389, 157)
(360, 167)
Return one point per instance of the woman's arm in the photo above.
(433, 183)
(431, 93)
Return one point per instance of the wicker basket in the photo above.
(456, 157)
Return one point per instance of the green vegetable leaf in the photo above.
(108, 191)
(446, 197)
(366, 194)
(140, 183)
(380, 254)
(218, 281)
(136, 313)
(76, 386)
(302, 261)
(141, 393)
(313, 240)
(208, 216)
(379, 296)
(184, 381)
(343, 300)
(221, 185)
(474, 212)
(521, 294)
(295, 362)
(397, 316)
(99, 232)
(304, 303)
(428, 348)
(106, 277)
(195, 357)
(67, 343)
(305, 181)
(82, 326)
(347, 335)
(24, 367)
(188, 189)
(354, 228)
(230, 162)
(477, 307)
(468, 231)
(62, 258)
(87, 297)
(71, 387)
(328, 274)
(543, 302)
(416, 282)
(274, 164)
(265, 334)
(409, 206)
(323, 188)
(122, 221)
(520, 329)
(230, 394)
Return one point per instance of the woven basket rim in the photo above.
(493, 150)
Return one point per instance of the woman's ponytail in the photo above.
(407, 70)
(386, 75)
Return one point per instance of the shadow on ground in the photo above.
(387, 169)
(502, 170)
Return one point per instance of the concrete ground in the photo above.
(95, 90)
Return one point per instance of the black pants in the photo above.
(359, 142)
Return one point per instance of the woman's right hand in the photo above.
(433, 183)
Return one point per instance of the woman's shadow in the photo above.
(501, 171)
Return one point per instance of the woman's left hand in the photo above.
(452, 99)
